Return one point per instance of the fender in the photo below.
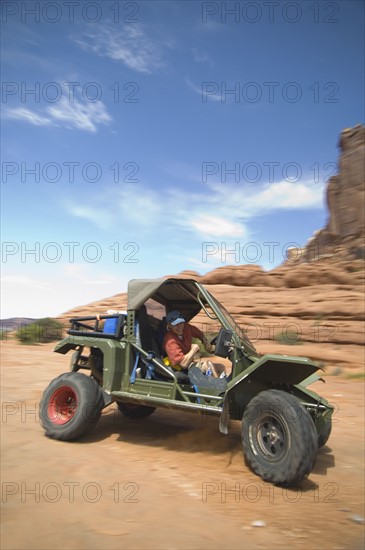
(113, 353)
(69, 343)
(268, 371)
(281, 369)
(65, 345)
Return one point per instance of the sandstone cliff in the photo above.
(343, 235)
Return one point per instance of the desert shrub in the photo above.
(40, 332)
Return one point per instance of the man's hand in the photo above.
(209, 348)
(190, 355)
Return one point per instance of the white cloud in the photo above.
(215, 226)
(286, 194)
(219, 211)
(129, 44)
(258, 199)
(96, 215)
(76, 114)
(133, 205)
(22, 113)
(84, 116)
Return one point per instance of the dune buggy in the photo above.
(283, 422)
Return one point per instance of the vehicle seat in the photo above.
(147, 336)
(151, 341)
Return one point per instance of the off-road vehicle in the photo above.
(283, 422)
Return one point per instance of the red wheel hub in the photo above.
(62, 405)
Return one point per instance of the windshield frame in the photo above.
(228, 321)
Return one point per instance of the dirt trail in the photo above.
(171, 481)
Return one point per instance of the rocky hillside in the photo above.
(313, 304)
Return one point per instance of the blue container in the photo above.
(110, 325)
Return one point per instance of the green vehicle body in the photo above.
(112, 359)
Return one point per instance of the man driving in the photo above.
(178, 343)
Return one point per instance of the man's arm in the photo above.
(197, 333)
(188, 357)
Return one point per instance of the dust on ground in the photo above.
(170, 481)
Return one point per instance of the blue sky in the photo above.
(140, 139)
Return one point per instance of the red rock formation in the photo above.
(343, 236)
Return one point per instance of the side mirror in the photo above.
(223, 342)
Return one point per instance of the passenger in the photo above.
(179, 347)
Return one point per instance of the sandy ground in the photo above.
(171, 481)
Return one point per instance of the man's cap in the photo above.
(174, 318)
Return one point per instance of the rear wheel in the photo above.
(279, 438)
(130, 410)
(324, 435)
(71, 406)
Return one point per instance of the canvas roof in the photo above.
(180, 294)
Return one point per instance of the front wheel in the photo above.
(279, 438)
(71, 406)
